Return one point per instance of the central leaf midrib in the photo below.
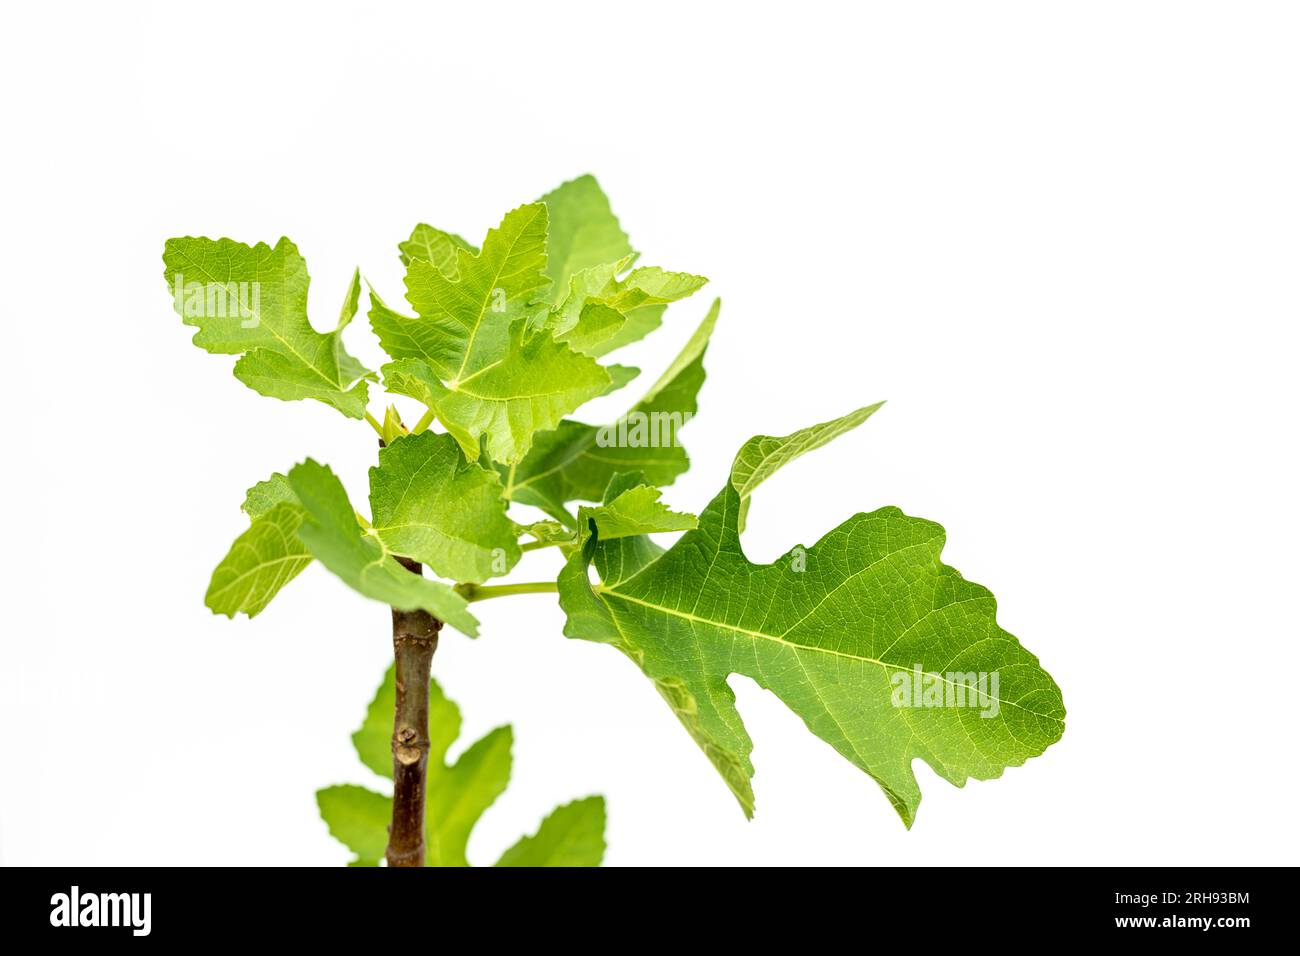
(673, 612)
(483, 306)
(459, 389)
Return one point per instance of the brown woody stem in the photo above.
(415, 638)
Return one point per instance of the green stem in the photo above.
(481, 592)
(536, 545)
(425, 421)
(374, 423)
(566, 519)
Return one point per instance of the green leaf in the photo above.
(762, 456)
(620, 375)
(373, 740)
(634, 512)
(648, 285)
(597, 323)
(458, 794)
(434, 246)
(331, 533)
(265, 495)
(428, 503)
(576, 461)
(349, 368)
(529, 389)
(595, 311)
(473, 356)
(262, 560)
(252, 301)
(464, 320)
(617, 559)
(602, 314)
(832, 630)
(357, 818)
(679, 385)
(584, 286)
(392, 428)
(573, 835)
(584, 232)
(351, 299)
(549, 532)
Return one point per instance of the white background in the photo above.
(1060, 239)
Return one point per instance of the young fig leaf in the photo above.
(462, 322)
(473, 356)
(252, 301)
(636, 511)
(435, 247)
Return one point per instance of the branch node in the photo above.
(408, 756)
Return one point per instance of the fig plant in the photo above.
(885, 652)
